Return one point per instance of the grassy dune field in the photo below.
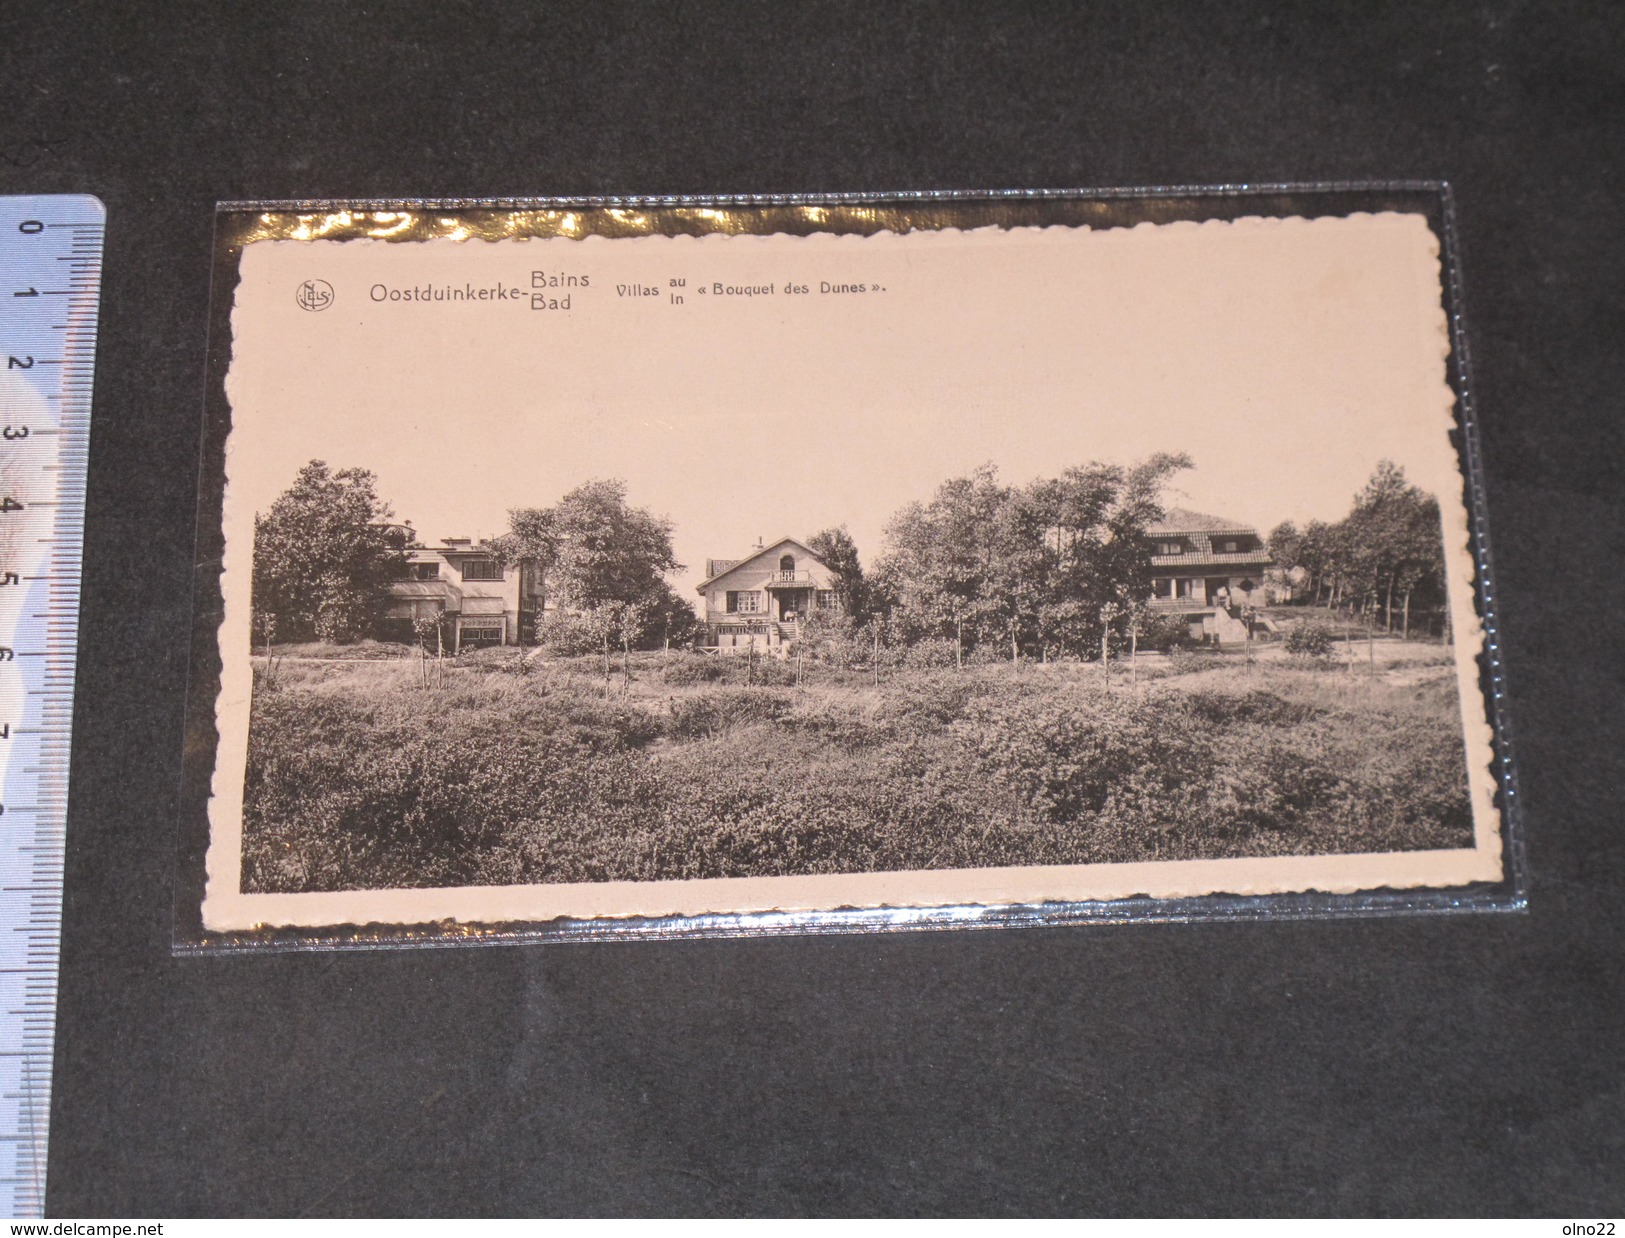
(524, 770)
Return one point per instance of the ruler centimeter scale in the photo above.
(50, 281)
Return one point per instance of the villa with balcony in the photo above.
(760, 601)
(482, 600)
(1209, 571)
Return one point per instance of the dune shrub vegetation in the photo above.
(359, 777)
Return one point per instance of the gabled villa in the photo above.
(761, 600)
(1208, 570)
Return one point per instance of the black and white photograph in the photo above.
(649, 614)
(596, 576)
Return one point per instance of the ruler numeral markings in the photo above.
(40, 642)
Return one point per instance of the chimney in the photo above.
(760, 545)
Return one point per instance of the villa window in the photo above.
(482, 635)
(743, 602)
(1170, 548)
(787, 563)
(826, 599)
(1229, 548)
(1162, 587)
(425, 571)
(482, 569)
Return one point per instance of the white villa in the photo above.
(760, 601)
(485, 601)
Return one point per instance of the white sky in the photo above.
(1285, 357)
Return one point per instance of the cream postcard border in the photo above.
(226, 908)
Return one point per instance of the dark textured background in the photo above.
(1456, 1065)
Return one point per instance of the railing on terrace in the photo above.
(790, 578)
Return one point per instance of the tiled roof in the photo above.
(1197, 533)
(1178, 520)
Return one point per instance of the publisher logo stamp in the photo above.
(314, 295)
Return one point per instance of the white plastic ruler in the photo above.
(50, 280)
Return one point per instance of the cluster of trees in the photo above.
(1056, 567)
(328, 548)
(1052, 567)
(1387, 551)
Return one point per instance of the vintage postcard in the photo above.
(605, 576)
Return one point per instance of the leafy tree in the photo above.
(1323, 554)
(840, 554)
(1395, 540)
(941, 556)
(1420, 568)
(324, 555)
(604, 560)
(1388, 550)
(1286, 547)
(1017, 581)
(610, 554)
(1098, 515)
(533, 536)
(827, 636)
(668, 619)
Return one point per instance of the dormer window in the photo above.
(1170, 548)
(1230, 547)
